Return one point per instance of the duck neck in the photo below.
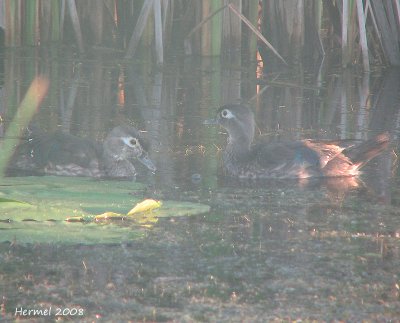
(238, 148)
(116, 166)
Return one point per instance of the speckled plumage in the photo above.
(297, 159)
(67, 155)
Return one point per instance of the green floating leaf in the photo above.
(67, 233)
(50, 200)
(5, 200)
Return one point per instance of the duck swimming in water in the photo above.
(68, 155)
(298, 159)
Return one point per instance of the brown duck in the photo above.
(298, 159)
(68, 155)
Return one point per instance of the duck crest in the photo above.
(298, 159)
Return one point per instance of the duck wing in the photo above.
(64, 149)
(307, 158)
(345, 158)
(286, 154)
(59, 148)
(327, 150)
(272, 155)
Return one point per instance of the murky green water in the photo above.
(267, 251)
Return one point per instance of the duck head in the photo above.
(238, 120)
(124, 142)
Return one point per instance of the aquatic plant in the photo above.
(365, 31)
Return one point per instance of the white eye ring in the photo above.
(130, 141)
(227, 114)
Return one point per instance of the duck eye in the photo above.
(225, 113)
(131, 141)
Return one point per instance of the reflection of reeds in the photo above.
(26, 110)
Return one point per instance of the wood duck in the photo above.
(68, 155)
(298, 159)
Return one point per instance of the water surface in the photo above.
(268, 250)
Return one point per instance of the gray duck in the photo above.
(67, 155)
(298, 159)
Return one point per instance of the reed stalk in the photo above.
(13, 23)
(148, 36)
(9, 23)
(216, 28)
(158, 26)
(345, 32)
(139, 28)
(188, 48)
(55, 33)
(292, 26)
(45, 20)
(232, 28)
(25, 113)
(75, 23)
(166, 13)
(368, 10)
(96, 19)
(62, 17)
(396, 4)
(256, 32)
(389, 41)
(295, 28)
(363, 35)
(206, 34)
(168, 20)
(253, 18)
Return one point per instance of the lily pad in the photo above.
(34, 209)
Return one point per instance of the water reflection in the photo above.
(274, 245)
(95, 95)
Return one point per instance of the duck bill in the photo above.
(210, 122)
(146, 161)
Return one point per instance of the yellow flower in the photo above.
(145, 206)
